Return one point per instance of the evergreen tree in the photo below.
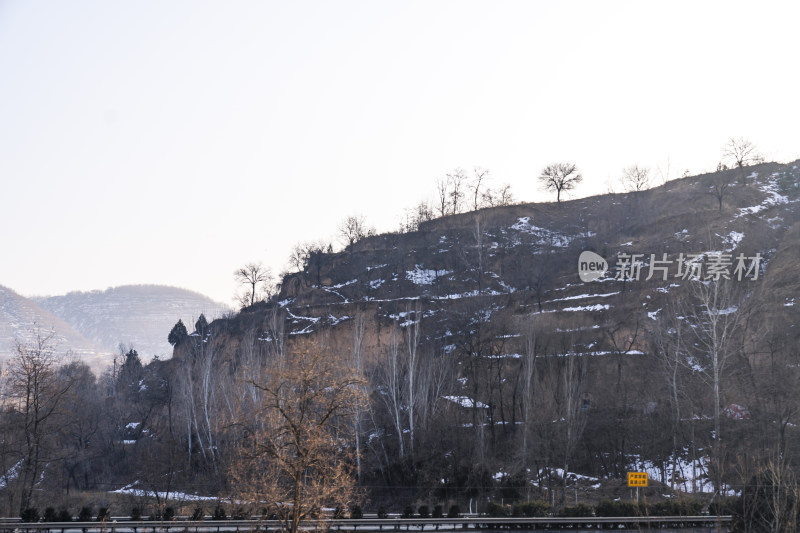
(178, 333)
(201, 325)
(130, 373)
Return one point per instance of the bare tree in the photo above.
(422, 212)
(36, 392)
(715, 319)
(354, 228)
(528, 371)
(442, 191)
(719, 188)
(412, 335)
(560, 177)
(636, 178)
(574, 374)
(479, 176)
(770, 501)
(391, 380)
(670, 350)
(504, 196)
(664, 173)
(357, 362)
(497, 197)
(457, 181)
(308, 257)
(253, 274)
(297, 456)
(741, 153)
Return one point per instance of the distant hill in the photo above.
(140, 316)
(20, 318)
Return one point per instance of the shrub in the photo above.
(219, 513)
(356, 512)
(615, 508)
(454, 512)
(408, 512)
(424, 511)
(103, 514)
(49, 515)
(531, 509)
(85, 514)
(576, 511)
(683, 507)
(64, 516)
(438, 511)
(169, 514)
(240, 514)
(338, 513)
(136, 514)
(200, 514)
(31, 514)
(382, 512)
(495, 510)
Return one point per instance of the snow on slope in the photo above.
(21, 318)
(136, 315)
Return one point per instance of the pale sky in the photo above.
(172, 142)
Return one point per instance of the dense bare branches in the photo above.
(636, 178)
(741, 153)
(354, 228)
(255, 275)
(297, 456)
(37, 393)
(560, 177)
(479, 177)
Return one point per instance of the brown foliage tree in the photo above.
(295, 454)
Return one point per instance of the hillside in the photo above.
(525, 258)
(486, 370)
(140, 316)
(20, 318)
(524, 370)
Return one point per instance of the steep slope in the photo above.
(135, 315)
(526, 256)
(21, 319)
(523, 367)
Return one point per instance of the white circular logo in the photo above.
(591, 266)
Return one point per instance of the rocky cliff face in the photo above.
(523, 259)
(514, 264)
(484, 347)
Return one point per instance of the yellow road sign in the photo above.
(637, 479)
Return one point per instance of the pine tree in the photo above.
(201, 325)
(178, 333)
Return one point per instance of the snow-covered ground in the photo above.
(179, 496)
(466, 401)
(425, 276)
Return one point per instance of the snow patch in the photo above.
(595, 307)
(466, 401)
(179, 496)
(422, 276)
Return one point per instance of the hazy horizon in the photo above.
(169, 144)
